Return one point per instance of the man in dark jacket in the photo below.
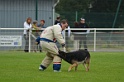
(82, 24)
(81, 35)
(57, 21)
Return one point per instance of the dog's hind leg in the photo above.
(88, 64)
(73, 65)
(85, 67)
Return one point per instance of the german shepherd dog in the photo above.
(75, 58)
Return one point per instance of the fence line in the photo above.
(94, 32)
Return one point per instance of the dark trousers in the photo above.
(26, 37)
(82, 40)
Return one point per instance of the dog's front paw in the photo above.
(87, 70)
(69, 70)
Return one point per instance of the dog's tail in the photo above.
(88, 54)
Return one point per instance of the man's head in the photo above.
(29, 20)
(64, 24)
(82, 20)
(42, 22)
(58, 18)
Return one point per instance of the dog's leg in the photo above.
(76, 68)
(85, 67)
(88, 64)
(73, 65)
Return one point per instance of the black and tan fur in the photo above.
(75, 58)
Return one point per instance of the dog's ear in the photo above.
(61, 52)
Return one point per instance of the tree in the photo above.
(100, 14)
(106, 10)
(67, 9)
(72, 5)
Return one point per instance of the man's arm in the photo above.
(58, 34)
(35, 27)
(37, 40)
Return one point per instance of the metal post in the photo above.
(76, 17)
(53, 15)
(115, 19)
(36, 10)
(119, 4)
(29, 40)
(94, 39)
(54, 10)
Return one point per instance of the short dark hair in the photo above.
(34, 22)
(58, 18)
(43, 20)
(64, 21)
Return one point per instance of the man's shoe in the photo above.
(41, 69)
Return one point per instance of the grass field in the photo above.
(23, 67)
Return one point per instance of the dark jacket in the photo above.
(83, 25)
(56, 22)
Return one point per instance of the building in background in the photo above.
(14, 12)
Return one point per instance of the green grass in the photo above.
(23, 67)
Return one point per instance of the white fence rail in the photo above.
(99, 39)
(95, 32)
